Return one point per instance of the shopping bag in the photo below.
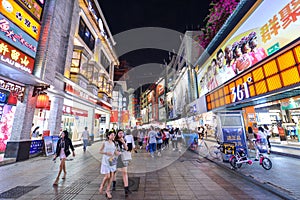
(112, 161)
(126, 156)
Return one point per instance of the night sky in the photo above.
(178, 15)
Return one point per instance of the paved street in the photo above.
(172, 176)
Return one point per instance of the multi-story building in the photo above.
(70, 84)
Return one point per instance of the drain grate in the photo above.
(65, 196)
(133, 184)
(17, 192)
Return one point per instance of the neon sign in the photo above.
(13, 57)
(20, 17)
(16, 37)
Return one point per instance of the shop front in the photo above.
(268, 95)
(256, 71)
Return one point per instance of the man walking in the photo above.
(85, 138)
(152, 141)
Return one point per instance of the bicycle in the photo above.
(215, 151)
(240, 157)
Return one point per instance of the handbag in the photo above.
(112, 161)
(126, 156)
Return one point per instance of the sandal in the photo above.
(101, 190)
(108, 195)
(55, 182)
(64, 177)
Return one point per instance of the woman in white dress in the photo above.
(108, 149)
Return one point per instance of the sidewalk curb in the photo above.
(285, 154)
(277, 152)
(252, 180)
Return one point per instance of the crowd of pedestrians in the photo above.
(153, 140)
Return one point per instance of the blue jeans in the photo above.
(85, 143)
(152, 148)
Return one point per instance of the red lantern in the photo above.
(12, 99)
(42, 101)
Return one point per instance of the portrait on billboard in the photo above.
(266, 30)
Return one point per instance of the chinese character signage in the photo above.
(270, 27)
(20, 17)
(16, 37)
(33, 7)
(15, 58)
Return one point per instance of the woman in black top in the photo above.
(63, 151)
(121, 165)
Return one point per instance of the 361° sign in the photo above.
(241, 92)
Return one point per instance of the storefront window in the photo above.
(95, 76)
(83, 65)
(86, 34)
(105, 62)
(75, 62)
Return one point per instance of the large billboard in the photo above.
(270, 27)
(181, 94)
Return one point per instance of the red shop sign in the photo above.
(15, 58)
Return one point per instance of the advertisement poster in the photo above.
(6, 122)
(36, 147)
(48, 145)
(181, 95)
(54, 141)
(272, 26)
(236, 136)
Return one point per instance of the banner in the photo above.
(114, 116)
(271, 26)
(125, 116)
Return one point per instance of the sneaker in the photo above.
(255, 159)
(159, 154)
(173, 149)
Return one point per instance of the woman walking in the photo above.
(121, 165)
(108, 166)
(63, 151)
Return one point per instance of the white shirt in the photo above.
(85, 135)
(129, 139)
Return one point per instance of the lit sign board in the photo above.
(11, 56)
(95, 13)
(269, 28)
(20, 17)
(13, 88)
(278, 73)
(33, 7)
(16, 37)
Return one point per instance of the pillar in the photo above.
(56, 107)
(19, 144)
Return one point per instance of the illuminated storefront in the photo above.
(19, 38)
(266, 85)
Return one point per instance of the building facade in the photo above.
(73, 68)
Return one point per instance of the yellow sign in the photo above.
(280, 72)
(20, 17)
(33, 7)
